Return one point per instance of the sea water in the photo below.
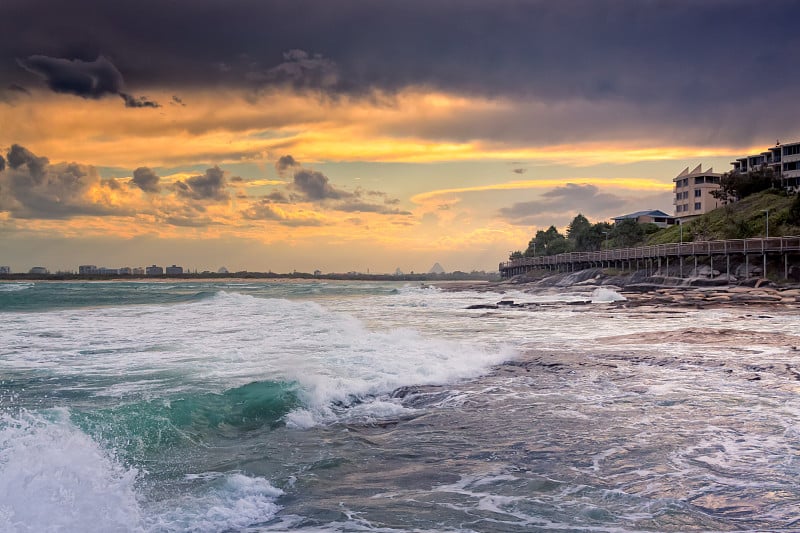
(355, 406)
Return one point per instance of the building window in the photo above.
(699, 180)
(698, 193)
(678, 208)
(791, 150)
(698, 206)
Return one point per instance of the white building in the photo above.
(86, 270)
(783, 159)
(5, 270)
(693, 192)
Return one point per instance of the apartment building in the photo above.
(783, 159)
(692, 192)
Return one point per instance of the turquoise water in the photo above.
(342, 406)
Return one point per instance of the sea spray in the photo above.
(53, 477)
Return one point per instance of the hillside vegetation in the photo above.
(740, 220)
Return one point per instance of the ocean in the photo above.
(382, 407)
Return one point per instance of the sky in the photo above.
(367, 135)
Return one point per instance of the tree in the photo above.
(515, 255)
(580, 234)
(734, 186)
(549, 242)
(627, 233)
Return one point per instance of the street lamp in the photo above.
(767, 212)
(680, 223)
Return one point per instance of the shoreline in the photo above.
(640, 290)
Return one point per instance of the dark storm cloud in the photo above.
(30, 187)
(300, 70)
(209, 186)
(681, 60)
(146, 180)
(571, 198)
(87, 79)
(655, 50)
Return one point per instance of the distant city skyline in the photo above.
(281, 136)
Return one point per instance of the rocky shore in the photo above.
(640, 289)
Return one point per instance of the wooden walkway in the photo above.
(630, 258)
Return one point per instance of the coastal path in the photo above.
(652, 258)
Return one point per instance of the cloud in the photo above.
(277, 197)
(284, 163)
(87, 79)
(262, 210)
(315, 186)
(30, 187)
(177, 100)
(19, 156)
(519, 170)
(146, 180)
(299, 70)
(357, 206)
(209, 186)
(138, 101)
(570, 198)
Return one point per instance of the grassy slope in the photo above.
(740, 220)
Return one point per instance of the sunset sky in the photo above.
(366, 135)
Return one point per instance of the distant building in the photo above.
(5, 270)
(222, 270)
(154, 270)
(86, 270)
(317, 273)
(125, 271)
(103, 271)
(174, 270)
(693, 192)
(137, 271)
(653, 216)
(39, 271)
(783, 159)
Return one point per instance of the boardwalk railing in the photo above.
(771, 245)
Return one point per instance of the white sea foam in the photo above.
(603, 295)
(234, 503)
(232, 339)
(55, 478)
(14, 287)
